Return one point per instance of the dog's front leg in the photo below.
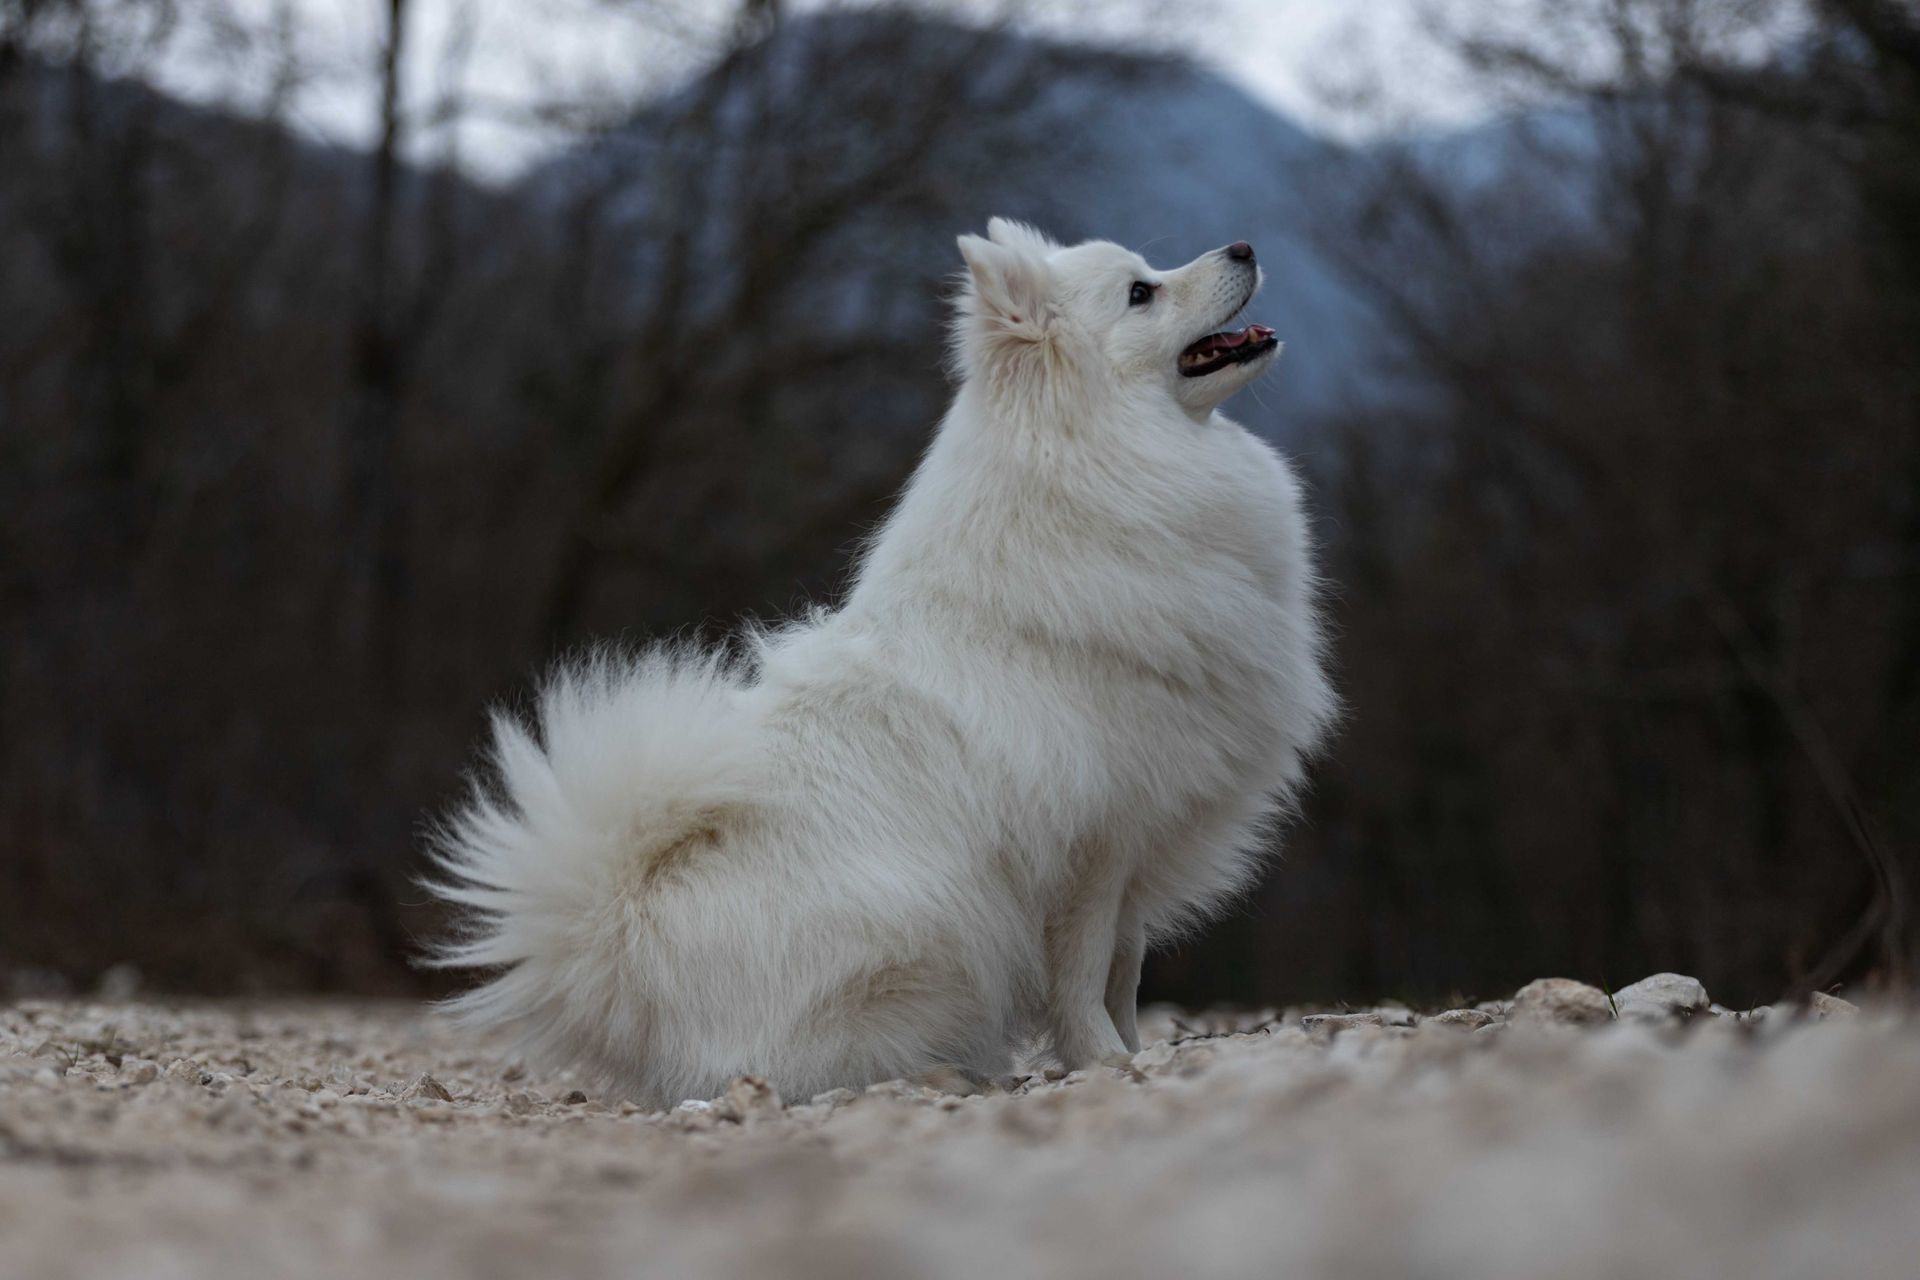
(1080, 945)
(1123, 980)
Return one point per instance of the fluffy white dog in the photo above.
(1079, 669)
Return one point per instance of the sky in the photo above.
(1309, 59)
(512, 55)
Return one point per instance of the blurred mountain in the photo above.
(1151, 152)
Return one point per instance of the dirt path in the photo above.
(143, 1140)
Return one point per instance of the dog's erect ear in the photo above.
(1006, 308)
(1018, 235)
(1011, 287)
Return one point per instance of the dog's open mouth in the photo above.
(1218, 350)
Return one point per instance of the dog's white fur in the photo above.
(1079, 668)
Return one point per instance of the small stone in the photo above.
(139, 1070)
(899, 1089)
(188, 1071)
(575, 1097)
(426, 1088)
(1052, 1074)
(1665, 997)
(1461, 1019)
(834, 1098)
(1334, 1023)
(1155, 1058)
(1194, 1060)
(748, 1096)
(1560, 1001)
(1821, 1005)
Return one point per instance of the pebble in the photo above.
(1560, 1001)
(139, 1070)
(834, 1098)
(1334, 1023)
(1155, 1058)
(1664, 997)
(1822, 1005)
(1191, 1062)
(426, 1087)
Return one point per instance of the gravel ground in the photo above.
(1527, 1139)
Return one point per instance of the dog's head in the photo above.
(1031, 309)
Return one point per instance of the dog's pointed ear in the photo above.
(1019, 235)
(1010, 287)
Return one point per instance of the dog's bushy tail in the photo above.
(631, 759)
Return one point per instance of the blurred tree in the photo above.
(1622, 591)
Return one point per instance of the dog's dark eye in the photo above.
(1140, 295)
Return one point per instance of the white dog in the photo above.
(1079, 669)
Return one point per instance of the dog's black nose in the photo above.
(1240, 251)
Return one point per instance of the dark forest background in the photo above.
(1610, 407)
